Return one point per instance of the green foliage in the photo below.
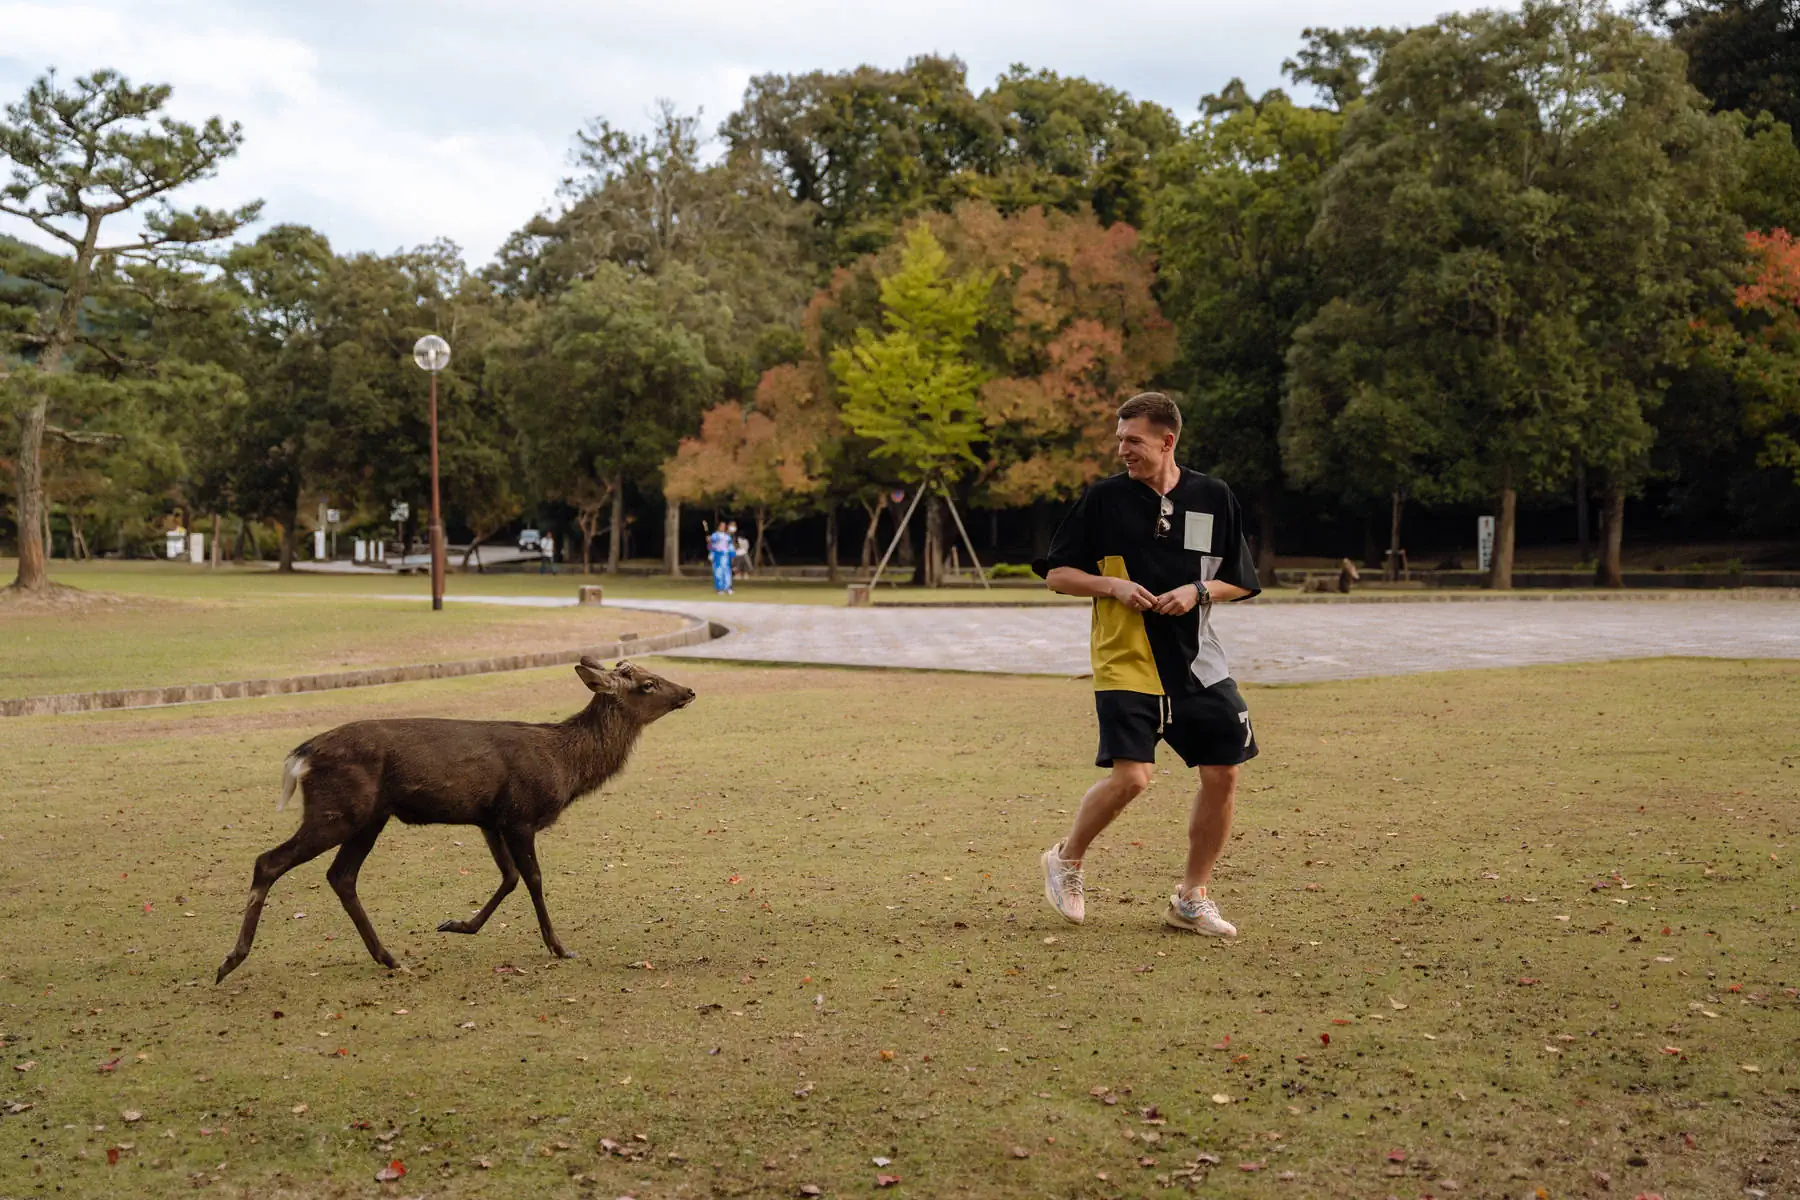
(1744, 55)
(1528, 209)
(914, 389)
(1237, 199)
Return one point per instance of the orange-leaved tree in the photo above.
(1761, 347)
(767, 456)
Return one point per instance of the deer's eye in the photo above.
(649, 685)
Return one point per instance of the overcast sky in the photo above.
(386, 123)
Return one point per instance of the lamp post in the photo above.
(432, 353)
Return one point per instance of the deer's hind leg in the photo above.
(523, 844)
(342, 877)
(509, 879)
(308, 842)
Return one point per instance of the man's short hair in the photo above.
(1154, 407)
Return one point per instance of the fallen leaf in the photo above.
(111, 1066)
(1397, 1156)
(1396, 1004)
(811, 1189)
(1751, 1068)
(1223, 1043)
(394, 1170)
(879, 1161)
(882, 1181)
(1251, 1166)
(1324, 1039)
(1526, 982)
(25, 1066)
(112, 1155)
(885, 1055)
(298, 1109)
(132, 1115)
(1220, 1098)
(1671, 1049)
(1020, 1152)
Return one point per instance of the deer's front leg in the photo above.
(509, 879)
(523, 844)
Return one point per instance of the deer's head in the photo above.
(644, 695)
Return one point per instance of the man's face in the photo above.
(1144, 448)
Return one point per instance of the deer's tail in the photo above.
(292, 772)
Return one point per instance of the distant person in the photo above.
(546, 555)
(740, 549)
(1156, 546)
(719, 550)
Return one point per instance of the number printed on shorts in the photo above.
(1245, 718)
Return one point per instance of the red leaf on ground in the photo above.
(1324, 1039)
(1251, 1166)
(112, 1155)
(1223, 1043)
(394, 1170)
(1396, 1156)
(1525, 981)
(1340, 1020)
(882, 1181)
(108, 1066)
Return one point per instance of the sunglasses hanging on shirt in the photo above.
(1164, 517)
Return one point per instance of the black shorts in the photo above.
(1208, 729)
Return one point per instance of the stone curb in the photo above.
(1472, 596)
(694, 633)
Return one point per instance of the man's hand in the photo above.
(1181, 600)
(1134, 595)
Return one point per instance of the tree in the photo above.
(79, 157)
(1761, 349)
(769, 458)
(1073, 145)
(913, 390)
(866, 149)
(1504, 174)
(1238, 196)
(604, 379)
(1743, 55)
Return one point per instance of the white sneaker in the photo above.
(1062, 884)
(1198, 913)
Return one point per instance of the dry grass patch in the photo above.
(1543, 919)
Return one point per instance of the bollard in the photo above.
(591, 593)
(858, 595)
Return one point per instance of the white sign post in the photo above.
(196, 544)
(1484, 541)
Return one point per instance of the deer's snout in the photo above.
(687, 697)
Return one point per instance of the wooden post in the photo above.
(590, 593)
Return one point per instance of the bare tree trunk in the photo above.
(872, 538)
(934, 540)
(672, 537)
(1610, 572)
(587, 519)
(28, 471)
(1504, 533)
(1582, 546)
(49, 546)
(217, 522)
(1392, 570)
(289, 530)
(615, 541)
(758, 556)
(1265, 536)
(831, 544)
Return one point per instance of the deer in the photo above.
(510, 779)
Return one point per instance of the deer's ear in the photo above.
(599, 681)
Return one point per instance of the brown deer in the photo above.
(509, 778)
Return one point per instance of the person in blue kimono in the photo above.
(719, 549)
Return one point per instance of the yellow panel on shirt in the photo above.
(1119, 646)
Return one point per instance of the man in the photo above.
(1156, 547)
(546, 554)
(718, 549)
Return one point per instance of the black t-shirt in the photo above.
(1114, 530)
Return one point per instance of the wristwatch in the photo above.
(1205, 596)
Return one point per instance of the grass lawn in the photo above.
(187, 625)
(1503, 930)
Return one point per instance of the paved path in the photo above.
(1267, 643)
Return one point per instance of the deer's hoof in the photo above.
(455, 927)
(226, 968)
(562, 953)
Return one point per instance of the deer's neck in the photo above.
(598, 740)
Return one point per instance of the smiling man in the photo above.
(1155, 547)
